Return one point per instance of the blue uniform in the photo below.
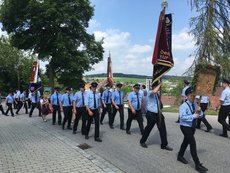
(90, 100)
(225, 97)
(35, 97)
(204, 99)
(106, 96)
(22, 97)
(80, 97)
(134, 99)
(9, 99)
(117, 97)
(187, 114)
(55, 97)
(67, 100)
(224, 111)
(152, 102)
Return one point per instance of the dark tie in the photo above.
(193, 108)
(36, 97)
(107, 100)
(83, 101)
(193, 111)
(138, 103)
(57, 99)
(94, 100)
(69, 100)
(120, 96)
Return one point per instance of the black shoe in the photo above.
(208, 130)
(6, 115)
(30, 116)
(182, 159)
(223, 135)
(86, 137)
(17, 113)
(74, 132)
(53, 123)
(98, 140)
(111, 127)
(197, 127)
(128, 132)
(100, 123)
(144, 145)
(122, 128)
(69, 128)
(201, 168)
(63, 126)
(167, 148)
(12, 115)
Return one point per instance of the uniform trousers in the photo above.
(33, 106)
(152, 119)
(121, 111)
(96, 121)
(9, 109)
(203, 107)
(189, 139)
(68, 113)
(20, 104)
(56, 109)
(223, 114)
(1, 109)
(138, 117)
(81, 113)
(104, 110)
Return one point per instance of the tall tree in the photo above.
(15, 67)
(56, 31)
(211, 31)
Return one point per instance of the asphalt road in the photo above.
(123, 152)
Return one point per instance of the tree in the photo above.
(15, 67)
(56, 31)
(211, 31)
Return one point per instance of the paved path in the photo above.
(30, 145)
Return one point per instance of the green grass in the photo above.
(175, 109)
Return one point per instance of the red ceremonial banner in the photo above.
(162, 56)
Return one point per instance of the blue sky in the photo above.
(129, 30)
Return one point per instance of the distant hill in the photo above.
(132, 76)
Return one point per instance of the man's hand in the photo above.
(116, 107)
(133, 111)
(90, 113)
(74, 111)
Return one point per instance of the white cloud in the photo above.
(136, 58)
(93, 24)
(182, 40)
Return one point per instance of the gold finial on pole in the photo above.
(164, 3)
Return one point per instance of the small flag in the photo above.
(35, 80)
(109, 71)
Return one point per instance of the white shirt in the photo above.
(204, 99)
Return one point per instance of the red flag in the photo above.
(162, 56)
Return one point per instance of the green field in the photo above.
(123, 79)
